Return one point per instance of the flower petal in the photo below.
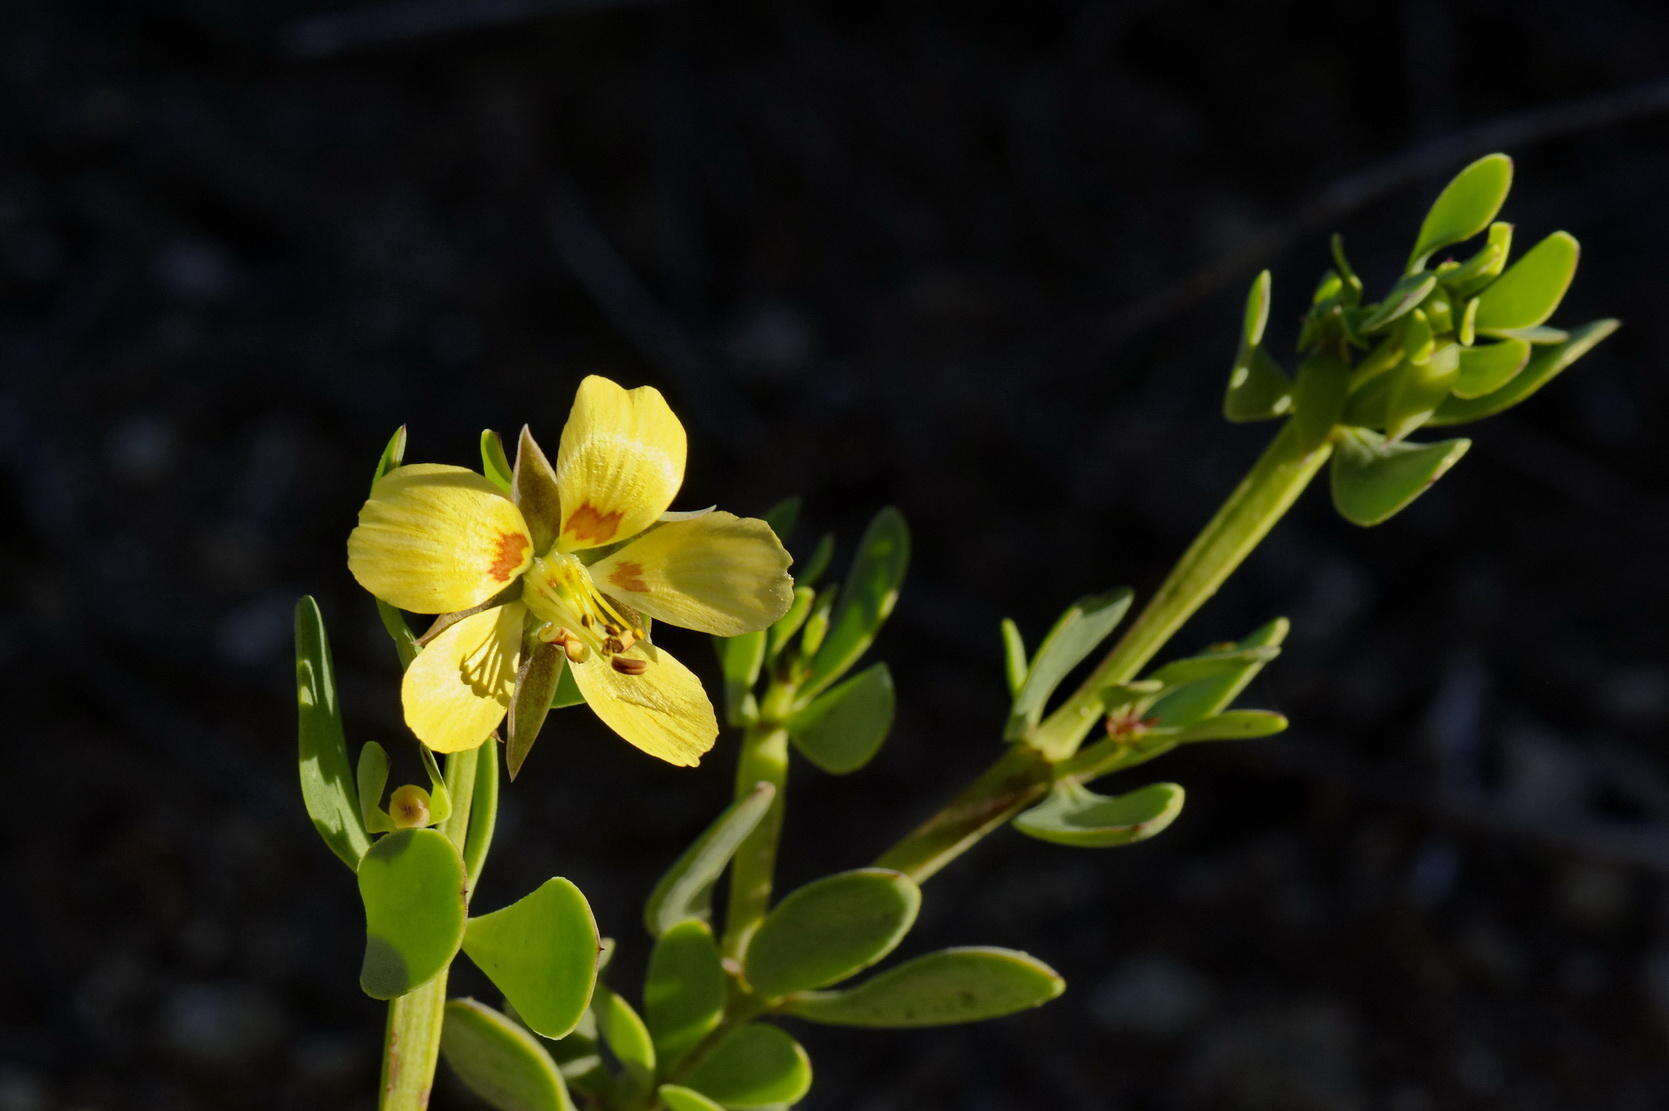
(435, 539)
(458, 688)
(664, 710)
(620, 463)
(717, 573)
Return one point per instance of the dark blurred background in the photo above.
(986, 265)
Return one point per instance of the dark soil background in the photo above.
(987, 266)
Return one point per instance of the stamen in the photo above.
(576, 650)
(629, 667)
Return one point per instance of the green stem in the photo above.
(1023, 774)
(763, 759)
(411, 1044)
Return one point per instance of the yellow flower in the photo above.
(590, 568)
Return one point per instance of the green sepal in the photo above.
(1465, 206)
(371, 777)
(499, 1061)
(628, 1039)
(1077, 633)
(1486, 368)
(541, 952)
(740, 661)
(843, 728)
(1073, 815)
(1210, 695)
(494, 463)
(1014, 656)
(411, 883)
(1374, 478)
(866, 599)
(754, 1066)
(327, 787)
(537, 678)
(1404, 298)
(1531, 289)
(686, 890)
(567, 691)
(534, 490)
(679, 1098)
(940, 989)
(830, 929)
(1233, 725)
(1545, 363)
(685, 991)
(784, 628)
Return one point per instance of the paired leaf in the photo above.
(1487, 368)
(411, 883)
(326, 787)
(1464, 207)
(1078, 632)
(866, 600)
(541, 952)
(756, 1065)
(1209, 695)
(841, 729)
(686, 890)
(1373, 478)
(1532, 287)
(1545, 363)
(499, 1061)
(1074, 815)
(780, 632)
(1485, 266)
(939, 989)
(685, 992)
(830, 929)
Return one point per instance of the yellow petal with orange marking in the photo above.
(717, 573)
(437, 539)
(664, 710)
(620, 463)
(457, 690)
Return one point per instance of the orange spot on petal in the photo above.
(628, 576)
(508, 553)
(585, 523)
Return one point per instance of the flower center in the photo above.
(560, 591)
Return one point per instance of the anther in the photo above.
(629, 667)
(613, 645)
(554, 636)
(575, 650)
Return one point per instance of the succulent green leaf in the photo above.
(627, 1038)
(1487, 368)
(1373, 478)
(327, 789)
(411, 883)
(1404, 298)
(685, 992)
(1234, 725)
(541, 952)
(1210, 695)
(784, 516)
(1074, 815)
(499, 1061)
(494, 463)
(1526, 295)
(537, 678)
(1471, 276)
(756, 1065)
(686, 890)
(1539, 336)
(1210, 665)
(1351, 294)
(1319, 396)
(1544, 364)
(533, 488)
(818, 561)
(1256, 317)
(939, 989)
(1014, 656)
(842, 729)
(1417, 388)
(371, 777)
(830, 929)
(866, 599)
(1078, 632)
(789, 623)
(483, 817)
(1464, 207)
(579, 1056)
(1258, 388)
(740, 661)
(679, 1098)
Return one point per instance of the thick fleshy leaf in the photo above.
(495, 465)
(327, 788)
(1404, 298)
(537, 679)
(1487, 367)
(1417, 388)
(1074, 815)
(371, 779)
(1545, 363)
(1526, 295)
(1373, 478)
(939, 989)
(1256, 315)
(1258, 389)
(718, 574)
(841, 729)
(1208, 695)
(756, 1065)
(499, 1061)
(663, 710)
(627, 1038)
(483, 817)
(685, 991)
(830, 929)
(782, 630)
(533, 485)
(541, 952)
(1234, 725)
(1077, 633)
(679, 1098)
(458, 689)
(866, 600)
(1015, 663)
(620, 463)
(411, 883)
(1465, 207)
(686, 890)
(1470, 277)
(437, 539)
(1318, 398)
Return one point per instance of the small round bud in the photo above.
(409, 807)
